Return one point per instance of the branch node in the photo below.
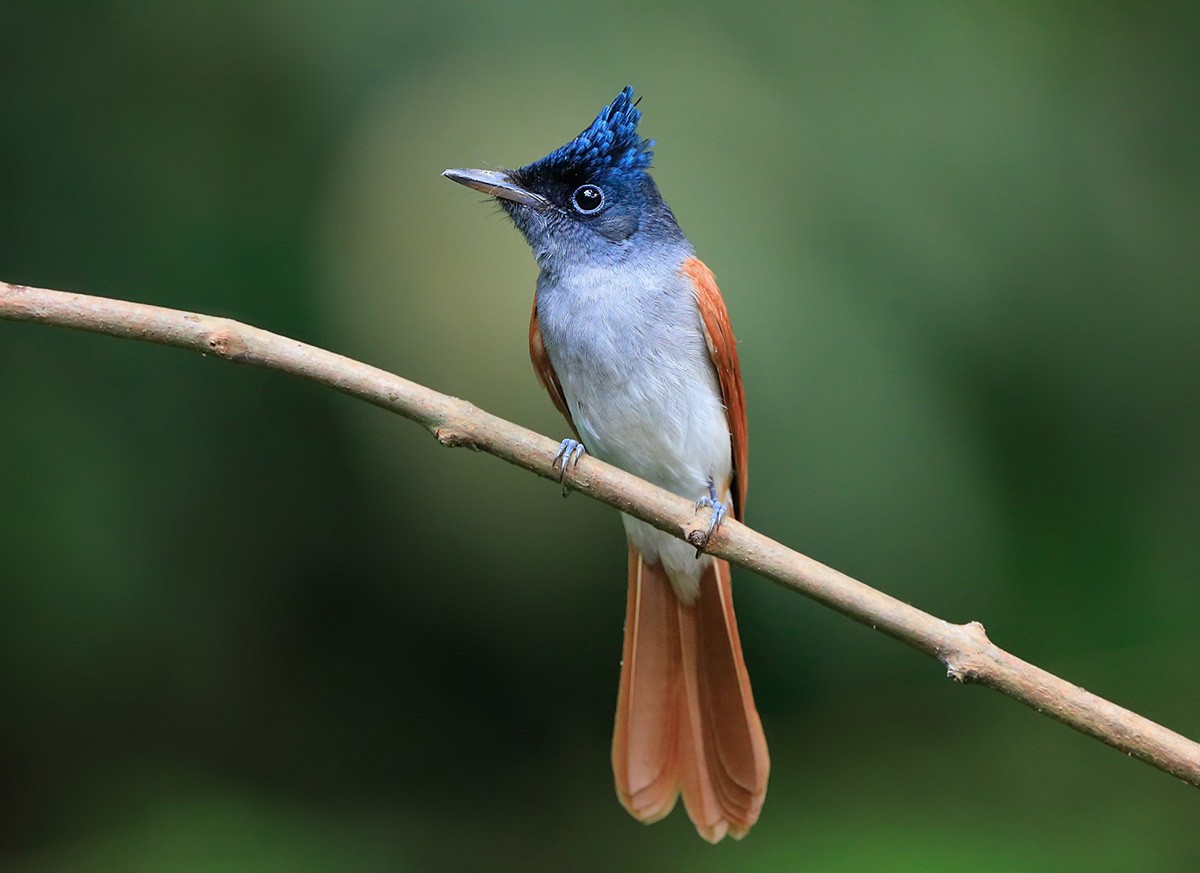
(696, 531)
(453, 437)
(977, 632)
(966, 662)
(961, 671)
(226, 343)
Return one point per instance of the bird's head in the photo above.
(591, 200)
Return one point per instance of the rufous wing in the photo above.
(722, 348)
(544, 370)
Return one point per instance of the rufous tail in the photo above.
(686, 722)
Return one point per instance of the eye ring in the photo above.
(587, 199)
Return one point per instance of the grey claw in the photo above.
(718, 515)
(569, 453)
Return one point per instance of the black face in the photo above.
(613, 204)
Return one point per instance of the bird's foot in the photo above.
(718, 515)
(569, 453)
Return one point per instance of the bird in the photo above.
(630, 337)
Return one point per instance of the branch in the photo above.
(965, 650)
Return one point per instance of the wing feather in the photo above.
(544, 370)
(722, 348)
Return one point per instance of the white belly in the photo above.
(643, 394)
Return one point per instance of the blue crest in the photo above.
(611, 142)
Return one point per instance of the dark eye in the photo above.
(588, 199)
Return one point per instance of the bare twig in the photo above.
(965, 650)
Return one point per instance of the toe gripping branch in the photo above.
(569, 453)
(718, 515)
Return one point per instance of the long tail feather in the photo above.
(645, 739)
(686, 721)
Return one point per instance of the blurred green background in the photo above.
(250, 624)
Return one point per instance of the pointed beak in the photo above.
(497, 185)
